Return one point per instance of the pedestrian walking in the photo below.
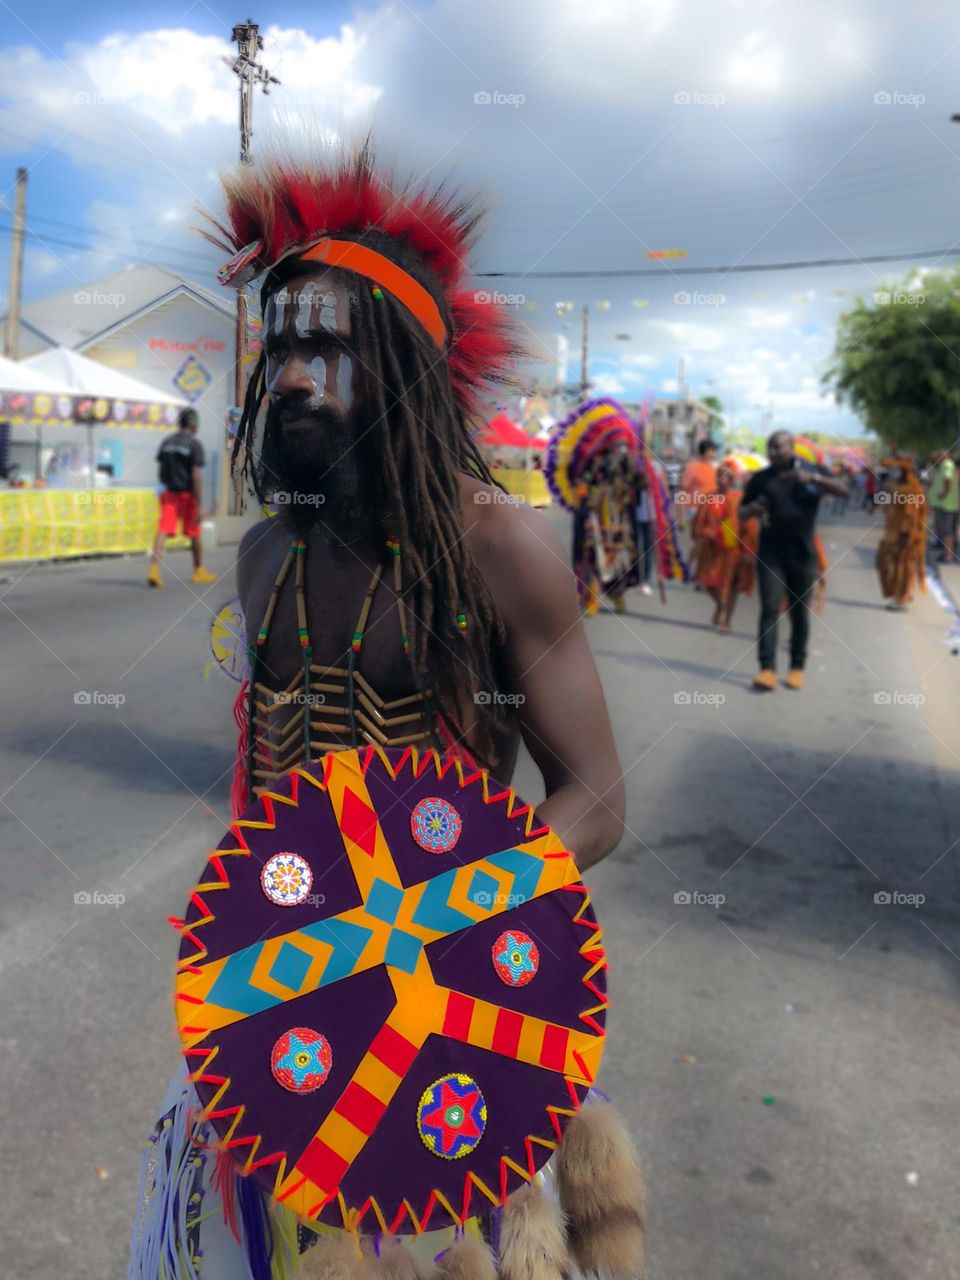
(944, 503)
(725, 552)
(900, 553)
(181, 461)
(644, 527)
(785, 496)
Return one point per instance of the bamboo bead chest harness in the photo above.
(330, 708)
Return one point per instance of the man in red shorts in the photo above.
(181, 460)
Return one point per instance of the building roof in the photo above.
(78, 317)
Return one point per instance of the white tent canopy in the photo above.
(24, 376)
(88, 377)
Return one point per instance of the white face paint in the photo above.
(301, 317)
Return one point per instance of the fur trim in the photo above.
(467, 1259)
(532, 1243)
(601, 1190)
(335, 1257)
(284, 203)
(396, 1262)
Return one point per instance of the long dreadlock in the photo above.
(420, 434)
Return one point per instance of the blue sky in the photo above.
(744, 133)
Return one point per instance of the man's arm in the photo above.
(563, 715)
(197, 460)
(823, 480)
(753, 503)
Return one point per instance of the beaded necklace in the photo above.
(297, 555)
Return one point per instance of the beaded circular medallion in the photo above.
(516, 958)
(286, 879)
(301, 1060)
(452, 1116)
(377, 1055)
(436, 825)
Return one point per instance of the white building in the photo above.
(167, 331)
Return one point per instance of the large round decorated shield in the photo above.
(390, 991)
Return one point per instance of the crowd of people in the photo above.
(758, 530)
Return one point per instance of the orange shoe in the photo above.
(203, 576)
(153, 577)
(795, 679)
(765, 680)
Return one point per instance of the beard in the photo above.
(321, 474)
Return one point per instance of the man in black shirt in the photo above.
(785, 496)
(181, 460)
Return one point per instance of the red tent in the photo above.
(501, 433)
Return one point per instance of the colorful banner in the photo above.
(34, 409)
(48, 524)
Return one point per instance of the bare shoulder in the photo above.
(518, 551)
(260, 545)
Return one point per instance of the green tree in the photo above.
(897, 362)
(716, 413)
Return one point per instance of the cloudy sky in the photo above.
(745, 132)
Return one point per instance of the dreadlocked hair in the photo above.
(423, 441)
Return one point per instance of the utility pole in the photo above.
(584, 351)
(11, 335)
(249, 42)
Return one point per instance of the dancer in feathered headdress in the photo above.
(398, 619)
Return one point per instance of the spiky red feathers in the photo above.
(288, 205)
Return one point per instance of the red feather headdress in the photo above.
(279, 208)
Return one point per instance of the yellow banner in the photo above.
(531, 486)
(49, 524)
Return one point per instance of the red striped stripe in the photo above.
(456, 1023)
(393, 1050)
(506, 1033)
(553, 1054)
(322, 1165)
(360, 1107)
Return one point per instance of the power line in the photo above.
(739, 268)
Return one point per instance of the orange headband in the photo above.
(373, 265)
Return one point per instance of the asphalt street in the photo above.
(783, 1042)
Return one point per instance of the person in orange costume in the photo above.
(726, 548)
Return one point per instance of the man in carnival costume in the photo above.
(389, 602)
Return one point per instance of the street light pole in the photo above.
(249, 42)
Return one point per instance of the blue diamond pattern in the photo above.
(291, 966)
